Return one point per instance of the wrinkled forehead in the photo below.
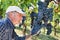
(15, 12)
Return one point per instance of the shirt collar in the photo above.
(10, 23)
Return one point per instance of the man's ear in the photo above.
(11, 16)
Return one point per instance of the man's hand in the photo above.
(28, 37)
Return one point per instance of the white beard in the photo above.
(20, 22)
(17, 25)
(42, 0)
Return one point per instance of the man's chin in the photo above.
(17, 25)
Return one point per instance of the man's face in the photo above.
(16, 18)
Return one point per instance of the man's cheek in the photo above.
(20, 18)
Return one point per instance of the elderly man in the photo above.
(14, 17)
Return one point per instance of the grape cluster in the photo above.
(33, 16)
(44, 14)
(48, 14)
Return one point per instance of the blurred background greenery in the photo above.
(24, 4)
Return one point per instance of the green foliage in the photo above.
(23, 4)
(43, 37)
